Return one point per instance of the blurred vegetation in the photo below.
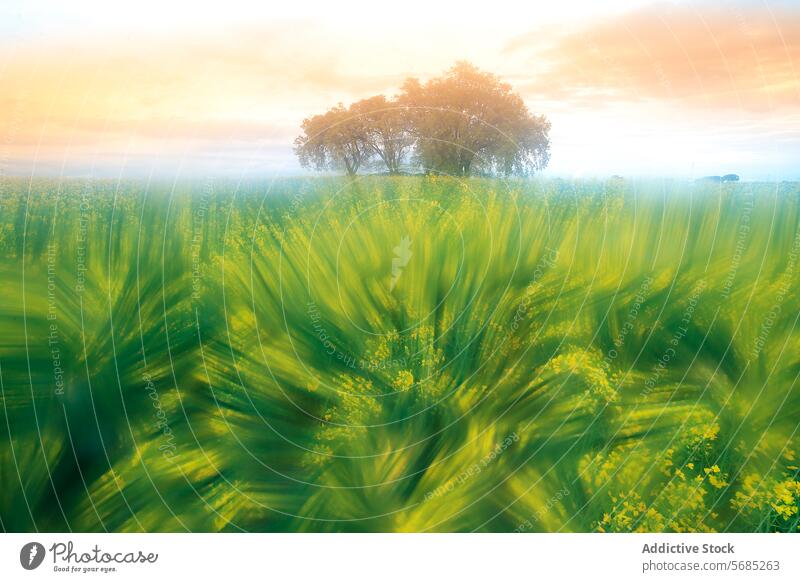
(548, 356)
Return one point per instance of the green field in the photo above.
(399, 354)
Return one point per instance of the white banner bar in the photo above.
(399, 557)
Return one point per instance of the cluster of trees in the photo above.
(463, 123)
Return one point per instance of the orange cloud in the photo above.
(71, 96)
(709, 57)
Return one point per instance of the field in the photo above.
(399, 354)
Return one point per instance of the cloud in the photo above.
(743, 57)
(71, 99)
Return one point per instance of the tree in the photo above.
(464, 122)
(388, 130)
(334, 140)
(468, 121)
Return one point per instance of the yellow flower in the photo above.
(717, 482)
(404, 380)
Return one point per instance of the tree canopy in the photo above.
(463, 123)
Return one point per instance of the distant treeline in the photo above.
(725, 178)
(466, 122)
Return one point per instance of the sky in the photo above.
(632, 87)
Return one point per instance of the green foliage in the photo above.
(399, 354)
